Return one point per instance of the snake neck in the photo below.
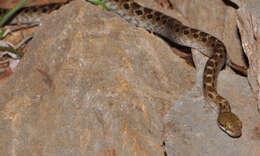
(212, 68)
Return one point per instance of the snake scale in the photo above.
(175, 31)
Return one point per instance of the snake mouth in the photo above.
(236, 133)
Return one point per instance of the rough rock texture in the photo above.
(92, 84)
(249, 26)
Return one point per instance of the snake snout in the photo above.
(236, 134)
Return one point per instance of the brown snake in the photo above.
(175, 31)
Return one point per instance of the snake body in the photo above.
(177, 32)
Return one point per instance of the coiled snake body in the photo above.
(175, 31)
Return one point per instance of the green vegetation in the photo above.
(98, 2)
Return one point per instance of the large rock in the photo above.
(249, 25)
(92, 84)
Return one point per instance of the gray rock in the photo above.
(249, 24)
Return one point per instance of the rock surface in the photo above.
(90, 85)
(95, 85)
(249, 26)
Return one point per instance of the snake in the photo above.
(175, 31)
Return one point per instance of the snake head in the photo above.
(230, 124)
